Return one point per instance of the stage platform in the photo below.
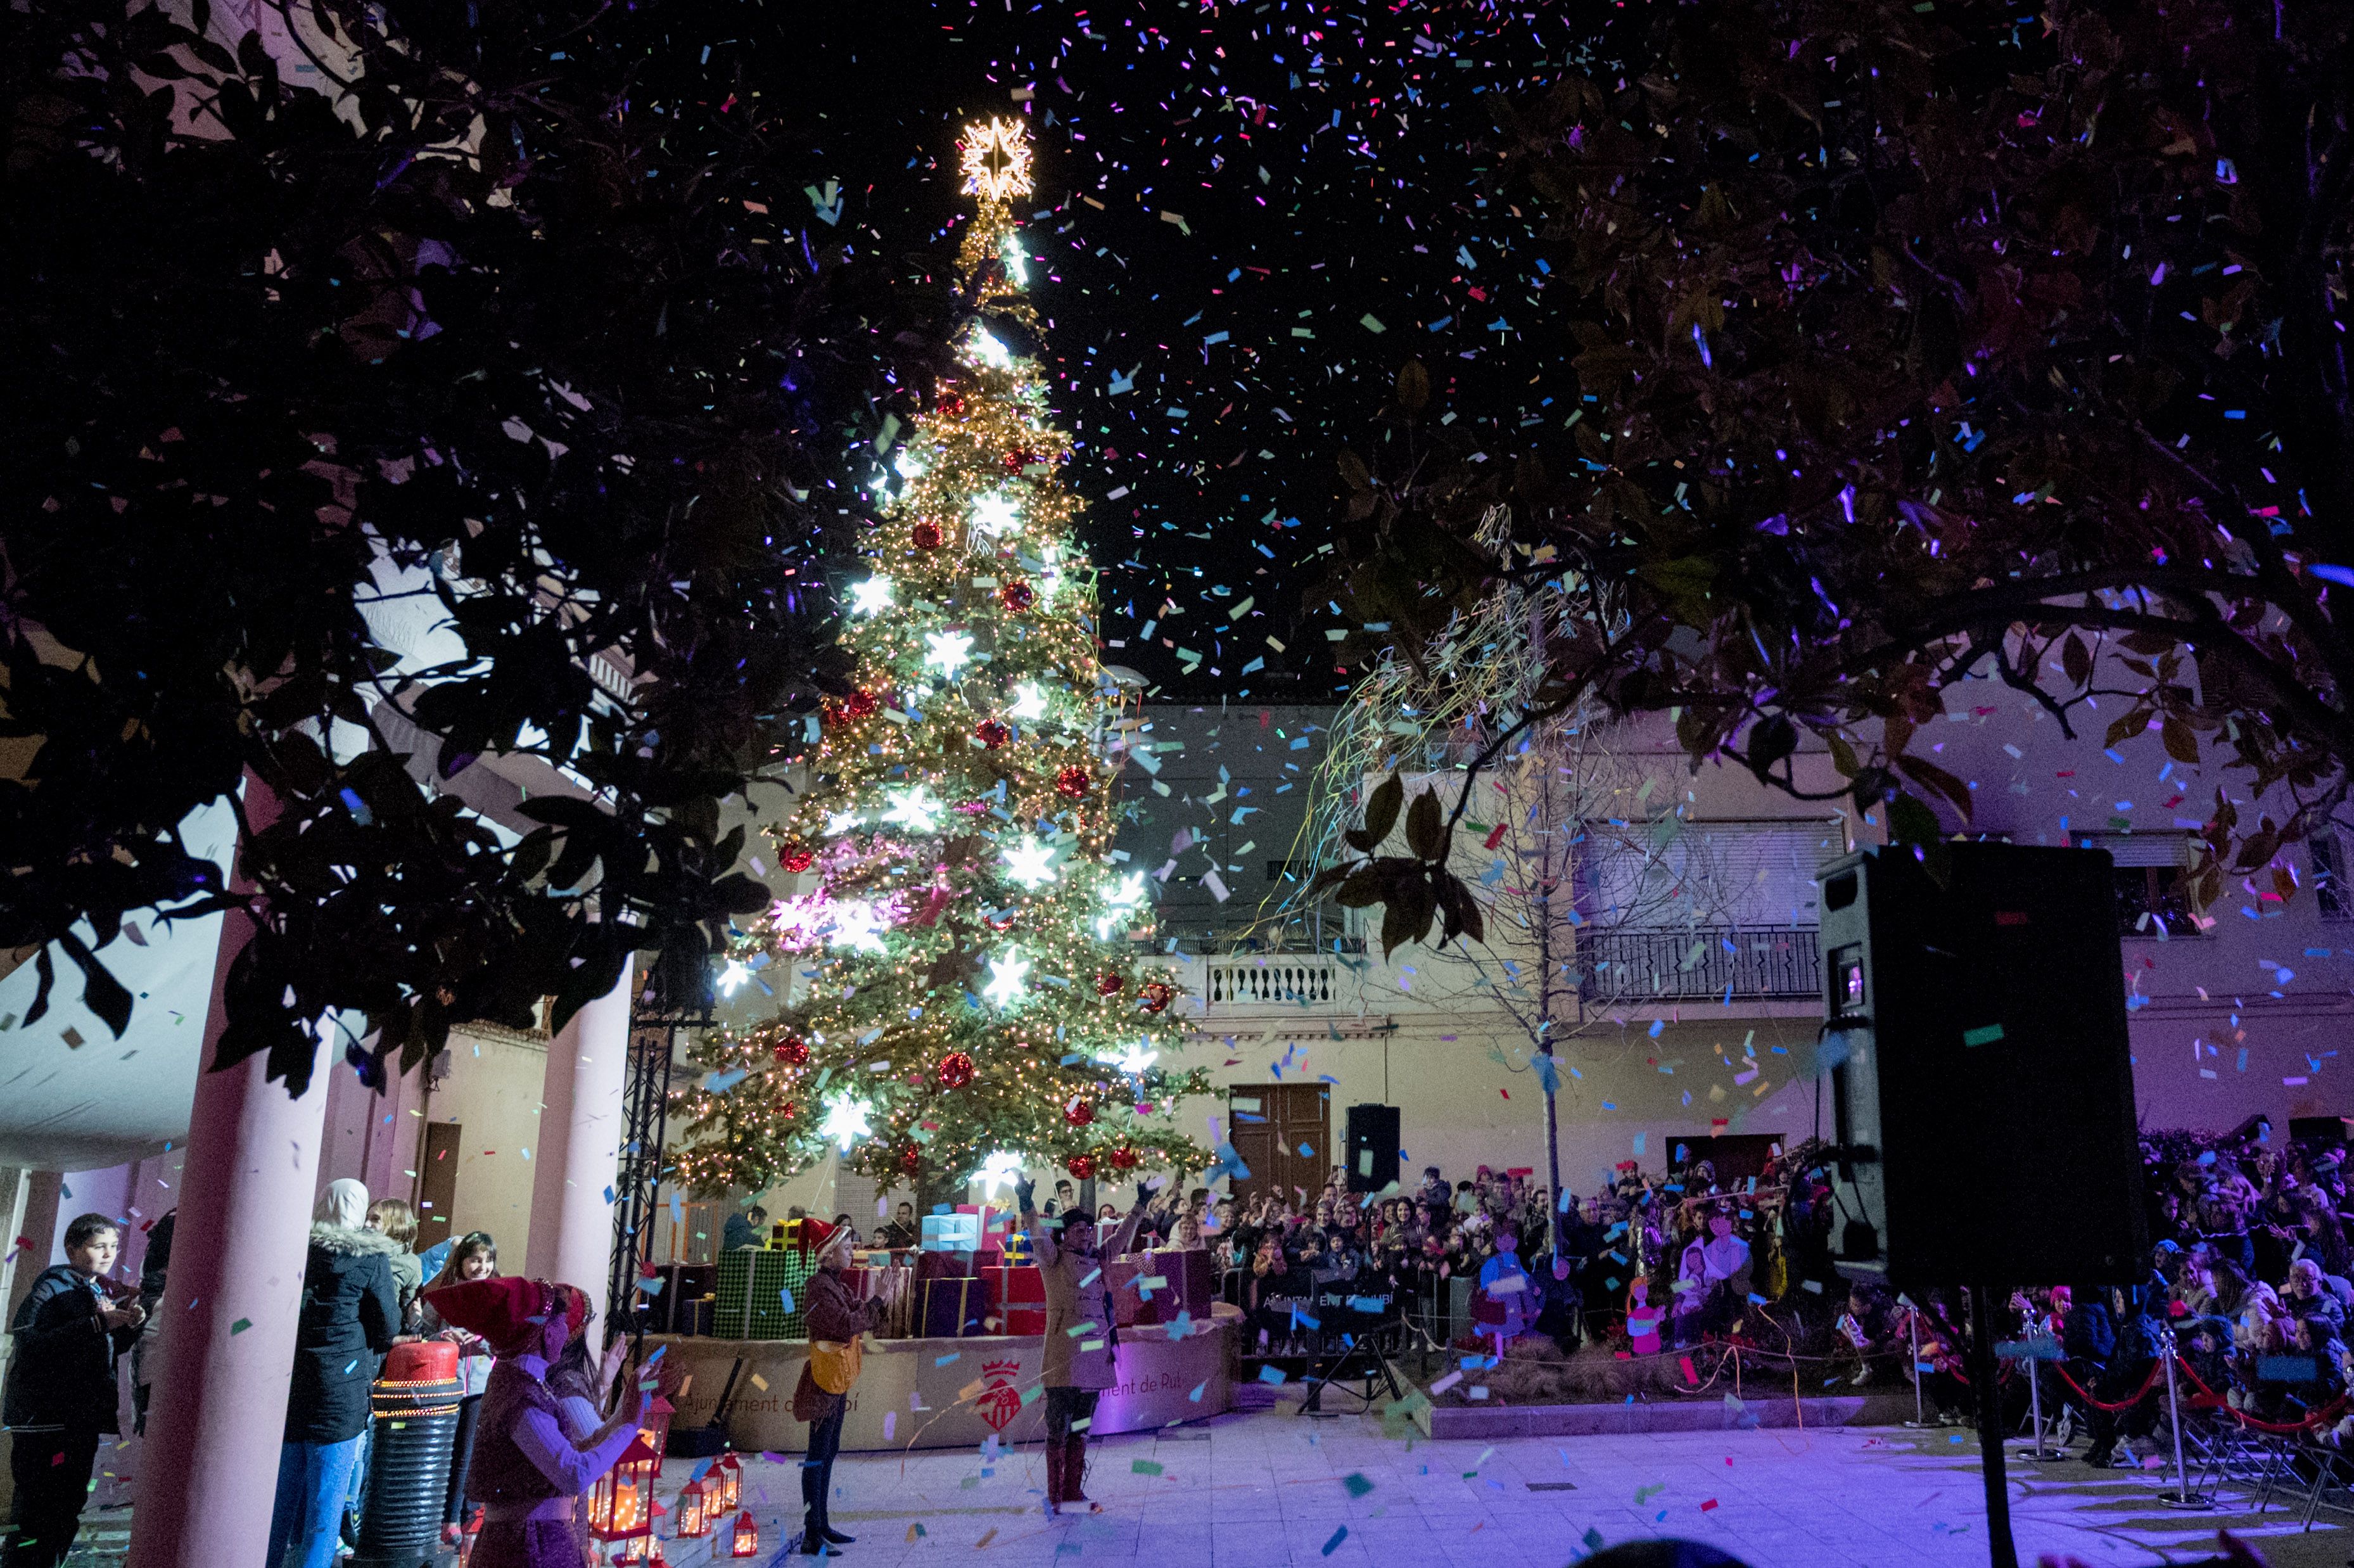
(952, 1393)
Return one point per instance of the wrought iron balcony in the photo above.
(1757, 961)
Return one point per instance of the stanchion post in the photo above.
(1913, 1321)
(2182, 1497)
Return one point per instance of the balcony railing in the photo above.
(1272, 982)
(1752, 961)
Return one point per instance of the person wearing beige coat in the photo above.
(1081, 1335)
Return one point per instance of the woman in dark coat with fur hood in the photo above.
(350, 1311)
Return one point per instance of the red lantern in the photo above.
(1074, 782)
(1080, 1111)
(693, 1509)
(730, 1469)
(1017, 595)
(1109, 984)
(1156, 996)
(792, 1051)
(861, 704)
(746, 1539)
(1082, 1166)
(796, 857)
(992, 733)
(622, 1503)
(928, 535)
(956, 1069)
(1123, 1159)
(656, 1430)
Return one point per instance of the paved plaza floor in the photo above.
(1267, 1488)
(1273, 1489)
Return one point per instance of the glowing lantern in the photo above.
(694, 1509)
(747, 1536)
(729, 1471)
(621, 1505)
(655, 1433)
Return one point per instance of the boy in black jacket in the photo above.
(61, 1392)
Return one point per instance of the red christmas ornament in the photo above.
(928, 535)
(992, 733)
(1082, 1166)
(956, 1069)
(1079, 1112)
(1156, 996)
(792, 1051)
(1074, 782)
(1019, 458)
(1017, 595)
(861, 704)
(951, 405)
(796, 857)
(1123, 1159)
(1109, 984)
(912, 1159)
(785, 1108)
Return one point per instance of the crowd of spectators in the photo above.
(2249, 1269)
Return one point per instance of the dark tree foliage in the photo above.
(416, 316)
(1923, 341)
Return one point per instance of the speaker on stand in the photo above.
(1975, 1041)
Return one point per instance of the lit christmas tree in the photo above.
(968, 998)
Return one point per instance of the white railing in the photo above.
(1275, 981)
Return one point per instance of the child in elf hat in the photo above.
(528, 1473)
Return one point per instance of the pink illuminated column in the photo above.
(228, 1314)
(581, 1127)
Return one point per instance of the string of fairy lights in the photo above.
(964, 998)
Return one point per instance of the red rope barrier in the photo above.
(2126, 1403)
(2313, 1420)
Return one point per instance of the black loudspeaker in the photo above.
(1372, 1147)
(1982, 1086)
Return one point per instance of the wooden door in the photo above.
(436, 1183)
(1284, 1134)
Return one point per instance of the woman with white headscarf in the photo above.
(350, 1311)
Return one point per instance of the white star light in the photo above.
(1016, 263)
(1031, 863)
(1001, 1169)
(1133, 1060)
(858, 924)
(871, 597)
(1029, 702)
(1121, 899)
(732, 977)
(846, 1122)
(950, 652)
(1009, 977)
(991, 352)
(840, 822)
(915, 807)
(993, 515)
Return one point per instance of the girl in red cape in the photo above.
(527, 1473)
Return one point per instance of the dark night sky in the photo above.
(1323, 160)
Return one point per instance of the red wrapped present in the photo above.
(948, 1264)
(1017, 1299)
